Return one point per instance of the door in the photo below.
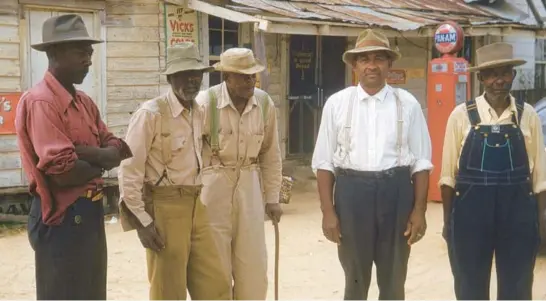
(38, 62)
(316, 72)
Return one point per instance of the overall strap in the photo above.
(166, 152)
(399, 123)
(472, 111)
(520, 106)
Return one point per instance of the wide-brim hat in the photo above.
(64, 29)
(495, 55)
(184, 57)
(368, 41)
(239, 60)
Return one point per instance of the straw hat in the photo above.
(183, 57)
(239, 60)
(368, 41)
(495, 55)
(62, 29)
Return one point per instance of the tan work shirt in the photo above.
(458, 127)
(147, 165)
(243, 138)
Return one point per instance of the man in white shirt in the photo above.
(373, 143)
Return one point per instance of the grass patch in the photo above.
(8, 228)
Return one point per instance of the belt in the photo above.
(93, 195)
(387, 173)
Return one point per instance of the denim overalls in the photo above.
(494, 212)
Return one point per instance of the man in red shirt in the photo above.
(65, 148)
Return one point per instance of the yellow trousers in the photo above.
(190, 260)
(236, 209)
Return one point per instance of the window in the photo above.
(223, 35)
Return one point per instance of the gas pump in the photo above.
(448, 84)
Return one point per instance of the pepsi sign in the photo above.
(448, 38)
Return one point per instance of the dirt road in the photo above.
(309, 265)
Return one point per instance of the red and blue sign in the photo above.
(448, 38)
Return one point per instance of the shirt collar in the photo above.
(381, 95)
(176, 107)
(61, 94)
(480, 100)
(225, 100)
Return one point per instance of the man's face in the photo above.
(72, 60)
(242, 85)
(497, 82)
(186, 84)
(372, 68)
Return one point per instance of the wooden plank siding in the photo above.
(10, 81)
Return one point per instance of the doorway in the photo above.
(316, 72)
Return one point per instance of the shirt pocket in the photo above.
(178, 143)
(254, 145)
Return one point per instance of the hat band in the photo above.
(371, 43)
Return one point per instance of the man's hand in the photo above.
(106, 158)
(417, 226)
(274, 211)
(150, 238)
(330, 226)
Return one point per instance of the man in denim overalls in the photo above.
(493, 173)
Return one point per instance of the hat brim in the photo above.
(349, 55)
(187, 66)
(44, 46)
(498, 63)
(257, 68)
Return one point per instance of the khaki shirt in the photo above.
(458, 127)
(147, 165)
(243, 138)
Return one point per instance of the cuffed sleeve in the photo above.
(419, 143)
(325, 146)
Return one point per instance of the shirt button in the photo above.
(241, 141)
(241, 158)
(78, 219)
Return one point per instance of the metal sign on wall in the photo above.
(181, 25)
(8, 103)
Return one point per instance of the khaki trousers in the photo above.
(190, 259)
(236, 211)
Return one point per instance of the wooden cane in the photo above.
(276, 226)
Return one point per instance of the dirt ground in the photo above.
(309, 268)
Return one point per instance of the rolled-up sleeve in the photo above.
(53, 147)
(419, 140)
(270, 157)
(325, 146)
(131, 173)
(538, 154)
(452, 147)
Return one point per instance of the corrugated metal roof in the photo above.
(397, 14)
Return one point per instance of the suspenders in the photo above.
(474, 116)
(399, 125)
(263, 103)
(166, 154)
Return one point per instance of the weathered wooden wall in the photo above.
(10, 81)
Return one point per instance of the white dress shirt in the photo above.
(373, 132)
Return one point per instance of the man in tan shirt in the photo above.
(160, 187)
(493, 174)
(243, 169)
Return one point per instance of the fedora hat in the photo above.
(183, 57)
(370, 40)
(495, 55)
(63, 29)
(239, 60)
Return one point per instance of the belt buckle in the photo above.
(495, 128)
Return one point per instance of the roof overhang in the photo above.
(286, 25)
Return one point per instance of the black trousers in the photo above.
(71, 258)
(373, 211)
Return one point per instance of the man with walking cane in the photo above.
(373, 143)
(160, 187)
(243, 166)
(493, 184)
